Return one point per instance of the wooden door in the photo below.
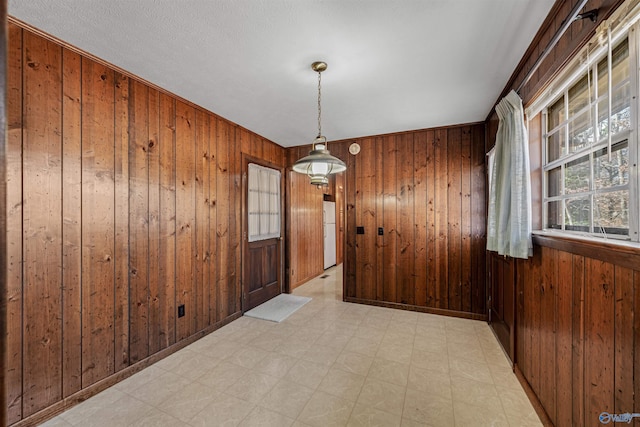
(262, 259)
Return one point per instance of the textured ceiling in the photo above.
(394, 65)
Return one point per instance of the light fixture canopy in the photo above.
(319, 164)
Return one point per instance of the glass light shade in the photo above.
(319, 164)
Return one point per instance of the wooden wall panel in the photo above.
(426, 190)
(405, 246)
(304, 208)
(98, 228)
(116, 207)
(167, 254)
(121, 259)
(222, 229)
(366, 267)
(212, 280)
(235, 223)
(564, 339)
(576, 329)
(599, 338)
(420, 216)
(138, 221)
(454, 218)
(185, 218)
(430, 177)
(42, 219)
(202, 221)
(71, 224)
(623, 340)
(153, 155)
(13, 376)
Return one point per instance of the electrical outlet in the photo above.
(181, 310)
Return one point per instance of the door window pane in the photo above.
(263, 203)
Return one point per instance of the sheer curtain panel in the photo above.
(509, 219)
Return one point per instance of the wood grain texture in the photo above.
(213, 220)
(14, 343)
(577, 339)
(454, 217)
(3, 212)
(138, 221)
(366, 255)
(235, 224)
(426, 190)
(478, 219)
(106, 176)
(202, 221)
(405, 282)
(389, 220)
(167, 254)
(304, 220)
(185, 218)
(222, 228)
(420, 142)
(564, 339)
(71, 224)
(98, 225)
(121, 222)
(441, 219)
(42, 242)
(153, 155)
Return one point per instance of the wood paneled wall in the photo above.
(3, 214)
(425, 189)
(576, 325)
(123, 203)
(578, 329)
(304, 258)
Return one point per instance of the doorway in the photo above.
(262, 207)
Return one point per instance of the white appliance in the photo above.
(329, 226)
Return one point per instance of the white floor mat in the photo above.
(278, 308)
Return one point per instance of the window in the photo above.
(263, 203)
(588, 146)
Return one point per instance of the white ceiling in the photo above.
(394, 65)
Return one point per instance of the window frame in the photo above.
(256, 168)
(559, 88)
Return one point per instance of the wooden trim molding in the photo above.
(623, 256)
(442, 312)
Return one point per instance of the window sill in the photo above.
(618, 252)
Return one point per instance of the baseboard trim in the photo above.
(440, 311)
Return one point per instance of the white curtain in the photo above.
(509, 220)
(263, 203)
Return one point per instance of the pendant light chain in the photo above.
(319, 164)
(319, 105)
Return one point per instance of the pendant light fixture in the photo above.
(319, 164)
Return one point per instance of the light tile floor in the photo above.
(329, 364)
